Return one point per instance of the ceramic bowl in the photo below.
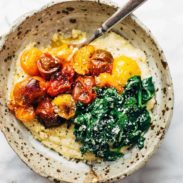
(39, 27)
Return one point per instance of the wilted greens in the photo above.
(113, 121)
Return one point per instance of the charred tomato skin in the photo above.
(101, 62)
(83, 91)
(48, 65)
(46, 115)
(68, 71)
(33, 93)
(61, 81)
(29, 91)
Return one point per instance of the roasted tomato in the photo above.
(108, 80)
(47, 65)
(29, 91)
(46, 115)
(82, 59)
(58, 85)
(125, 68)
(101, 62)
(65, 106)
(29, 60)
(83, 91)
(33, 92)
(42, 82)
(18, 92)
(68, 71)
(61, 81)
(25, 114)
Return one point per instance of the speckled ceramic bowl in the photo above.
(86, 16)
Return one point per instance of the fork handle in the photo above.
(120, 14)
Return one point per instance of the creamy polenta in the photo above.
(134, 62)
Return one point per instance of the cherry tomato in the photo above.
(33, 93)
(82, 91)
(108, 80)
(46, 115)
(25, 114)
(61, 81)
(29, 91)
(47, 65)
(65, 106)
(58, 85)
(42, 82)
(101, 62)
(81, 59)
(18, 91)
(29, 60)
(68, 71)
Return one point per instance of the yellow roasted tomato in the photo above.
(62, 52)
(81, 61)
(29, 60)
(107, 80)
(25, 114)
(17, 92)
(104, 80)
(65, 106)
(124, 68)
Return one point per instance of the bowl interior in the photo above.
(86, 16)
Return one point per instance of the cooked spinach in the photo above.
(113, 121)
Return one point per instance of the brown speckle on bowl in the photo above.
(65, 12)
(72, 20)
(70, 8)
(164, 64)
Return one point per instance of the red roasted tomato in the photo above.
(46, 115)
(33, 91)
(83, 91)
(68, 71)
(101, 62)
(47, 65)
(29, 91)
(62, 81)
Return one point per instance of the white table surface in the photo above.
(165, 19)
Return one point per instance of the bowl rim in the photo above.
(18, 21)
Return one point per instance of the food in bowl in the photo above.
(92, 104)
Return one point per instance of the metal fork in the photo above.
(119, 15)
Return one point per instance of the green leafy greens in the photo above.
(114, 121)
